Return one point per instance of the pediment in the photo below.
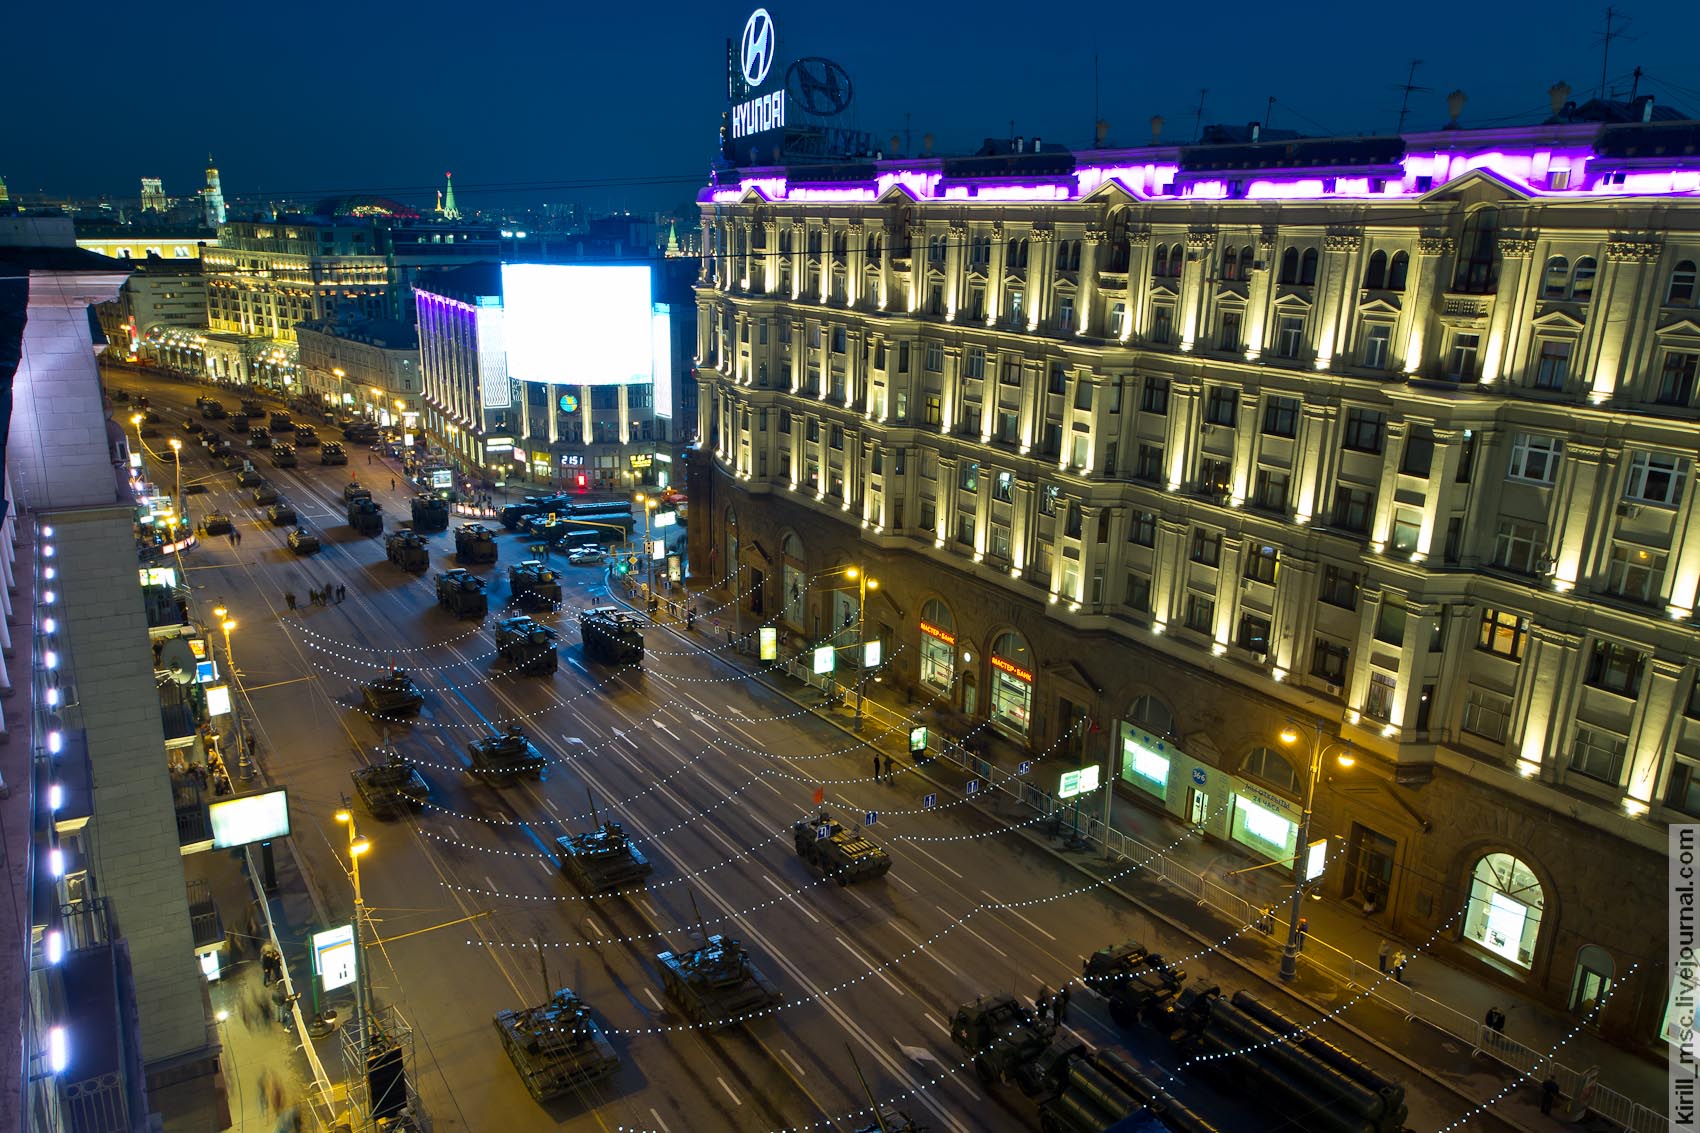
(1380, 305)
(1559, 319)
(1112, 191)
(1479, 187)
(1071, 671)
(1683, 327)
(898, 193)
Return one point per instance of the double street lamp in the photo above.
(864, 583)
(357, 846)
(1291, 735)
(227, 624)
(649, 503)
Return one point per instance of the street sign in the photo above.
(973, 787)
(665, 519)
(871, 653)
(334, 956)
(928, 802)
(769, 643)
(870, 818)
(1025, 767)
(823, 659)
(822, 832)
(1080, 782)
(658, 549)
(918, 739)
(1316, 859)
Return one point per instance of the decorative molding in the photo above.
(1516, 247)
(1342, 242)
(1044, 235)
(1096, 236)
(1633, 250)
(1200, 240)
(1436, 245)
(1266, 240)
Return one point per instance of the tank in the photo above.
(264, 493)
(353, 490)
(611, 635)
(535, 586)
(392, 788)
(407, 551)
(462, 594)
(716, 984)
(1137, 983)
(507, 758)
(430, 513)
(474, 543)
(365, 516)
(602, 860)
(303, 542)
(212, 410)
(527, 644)
(282, 514)
(556, 1046)
(394, 695)
(216, 523)
(832, 851)
(248, 478)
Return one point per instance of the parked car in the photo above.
(587, 556)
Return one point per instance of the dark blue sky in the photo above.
(316, 98)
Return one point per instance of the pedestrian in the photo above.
(237, 531)
(1059, 1005)
(876, 767)
(392, 483)
(1549, 1094)
(368, 458)
(289, 596)
(341, 593)
(265, 1091)
(1266, 920)
(312, 596)
(1382, 954)
(231, 536)
(328, 585)
(1303, 931)
(1495, 1019)
(1042, 1002)
(1399, 962)
(890, 769)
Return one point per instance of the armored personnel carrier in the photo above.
(556, 1046)
(430, 513)
(474, 543)
(832, 851)
(407, 551)
(394, 695)
(611, 635)
(1003, 1036)
(716, 984)
(1137, 983)
(365, 516)
(462, 594)
(535, 586)
(283, 456)
(264, 493)
(603, 859)
(528, 645)
(282, 514)
(353, 490)
(507, 758)
(212, 410)
(248, 478)
(216, 523)
(392, 788)
(303, 542)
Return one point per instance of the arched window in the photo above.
(1290, 266)
(1153, 715)
(938, 644)
(1582, 279)
(1246, 262)
(1012, 683)
(1558, 278)
(1477, 272)
(1160, 261)
(1177, 257)
(1307, 268)
(1504, 914)
(1120, 247)
(1270, 766)
(1375, 276)
(794, 580)
(1231, 265)
(1397, 270)
(1681, 290)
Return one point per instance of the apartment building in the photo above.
(1220, 462)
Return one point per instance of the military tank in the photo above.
(365, 516)
(527, 644)
(1136, 982)
(430, 513)
(407, 551)
(535, 586)
(832, 851)
(394, 695)
(556, 1046)
(462, 594)
(602, 860)
(474, 543)
(715, 984)
(392, 788)
(505, 759)
(353, 490)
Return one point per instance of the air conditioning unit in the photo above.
(1628, 511)
(1260, 658)
(1334, 690)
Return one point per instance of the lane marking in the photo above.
(860, 900)
(574, 662)
(1006, 909)
(654, 1000)
(763, 781)
(919, 947)
(940, 864)
(943, 1030)
(660, 1122)
(963, 925)
(727, 1088)
(593, 927)
(872, 967)
(550, 803)
(650, 909)
(791, 897)
(493, 886)
(548, 866)
(786, 1055)
(898, 877)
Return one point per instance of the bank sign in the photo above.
(749, 65)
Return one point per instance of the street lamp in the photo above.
(1318, 750)
(650, 503)
(357, 846)
(227, 624)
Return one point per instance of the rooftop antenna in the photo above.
(1198, 116)
(1268, 113)
(1611, 33)
(1409, 88)
(1097, 134)
(1635, 86)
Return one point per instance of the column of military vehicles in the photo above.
(407, 550)
(462, 593)
(364, 514)
(474, 543)
(430, 513)
(527, 645)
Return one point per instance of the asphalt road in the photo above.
(708, 770)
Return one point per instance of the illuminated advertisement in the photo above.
(661, 327)
(334, 956)
(242, 819)
(579, 324)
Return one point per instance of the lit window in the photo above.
(1535, 458)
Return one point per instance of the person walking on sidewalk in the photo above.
(341, 593)
(1059, 1005)
(1495, 1019)
(876, 767)
(1549, 1094)
(289, 596)
(1382, 955)
(890, 770)
(1399, 962)
(1303, 931)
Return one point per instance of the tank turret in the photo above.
(716, 984)
(556, 1046)
(602, 860)
(394, 695)
(611, 636)
(506, 758)
(391, 788)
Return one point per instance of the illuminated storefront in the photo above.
(1264, 821)
(938, 645)
(1506, 902)
(1145, 762)
(1012, 684)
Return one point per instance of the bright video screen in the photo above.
(249, 818)
(579, 324)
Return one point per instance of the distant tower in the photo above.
(439, 209)
(153, 195)
(213, 196)
(4, 195)
(449, 210)
(673, 240)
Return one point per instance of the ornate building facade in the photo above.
(1389, 441)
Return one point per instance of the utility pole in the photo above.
(1611, 33)
(1409, 89)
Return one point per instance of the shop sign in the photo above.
(948, 638)
(498, 444)
(1012, 669)
(640, 460)
(1267, 799)
(1082, 782)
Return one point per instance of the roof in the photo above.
(386, 333)
(365, 205)
(53, 257)
(470, 281)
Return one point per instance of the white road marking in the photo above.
(859, 899)
(593, 927)
(940, 864)
(491, 884)
(660, 1122)
(964, 927)
(932, 952)
(727, 1088)
(654, 1000)
(572, 739)
(548, 866)
(454, 834)
(763, 781)
(791, 897)
(899, 879)
(650, 909)
(872, 967)
(439, 739)
(574, 662)
(944, 1030)
(786, 1055)
(550, 803)
(1018, 916)
(665, 728)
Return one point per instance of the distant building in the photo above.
(160, 315)
(212, 197)
(366, 366)
(153, 195)
(150, 235)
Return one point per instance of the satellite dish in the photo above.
(178, 660)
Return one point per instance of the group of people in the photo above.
(331, 594)
(889, 774)
(1049, 1006)
(1392, 960)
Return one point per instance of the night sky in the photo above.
(309, 100)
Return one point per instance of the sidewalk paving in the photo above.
(1339, 961)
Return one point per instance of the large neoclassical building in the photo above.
(1393, 435)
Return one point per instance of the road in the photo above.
(707, 769)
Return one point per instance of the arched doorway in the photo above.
(938, 645)
(1595, 973)
(794, 582)
(1506, 902)
(1012, 684)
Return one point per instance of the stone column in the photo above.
(1443, 474)
(1336, 296)
(1193, 294)
(1260, 295)
(1181, 438)
(1626, 288)
(995, 276)
(955, 255)
(1540, 714)
(1168, 568)
(1654, 728)
(1313, 466)
(1086, 302)
(1574, 503)
(1511, 298)
(1392, 452)
(1039, 275)
(1423, 284)
(1228, 589)
(1245, 449)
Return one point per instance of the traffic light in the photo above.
(620, 566)
(580, 482)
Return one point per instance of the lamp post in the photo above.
(356, 847)
(227, 624)
(863, 584)
(650, 503)
(1290, 735)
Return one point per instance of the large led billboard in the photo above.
(579, 324)
(242, 819)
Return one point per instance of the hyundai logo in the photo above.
(756, 51)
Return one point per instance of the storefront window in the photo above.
(938, 645)
(1012, 683)
(1261, 824)
(1504, 915)
(1144, 765)
(793, 581)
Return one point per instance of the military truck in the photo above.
(1136, 982)
(512, 515)
(283, 456)
(611, 635)
(462, 594)
(303, 542)
(392, 788)
(1004, 1038)
(504, 759)
(602, 860)
(280, 423)
(715, 984)
(282, 514)
(842, 855)
(1083, 1090)
(259, 438)
(253, 407)
(527, 644)
(332, 452)
(394, 695)
(361, 432)
(535, 586)
(407, 551)
(306, 436)
(474, 543)
(212, 410)
(430, 513)
(556, 1046)
(365, 516)
(239, 423)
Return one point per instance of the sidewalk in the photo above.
(1433, 1023)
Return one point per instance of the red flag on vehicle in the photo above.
(820, 795)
